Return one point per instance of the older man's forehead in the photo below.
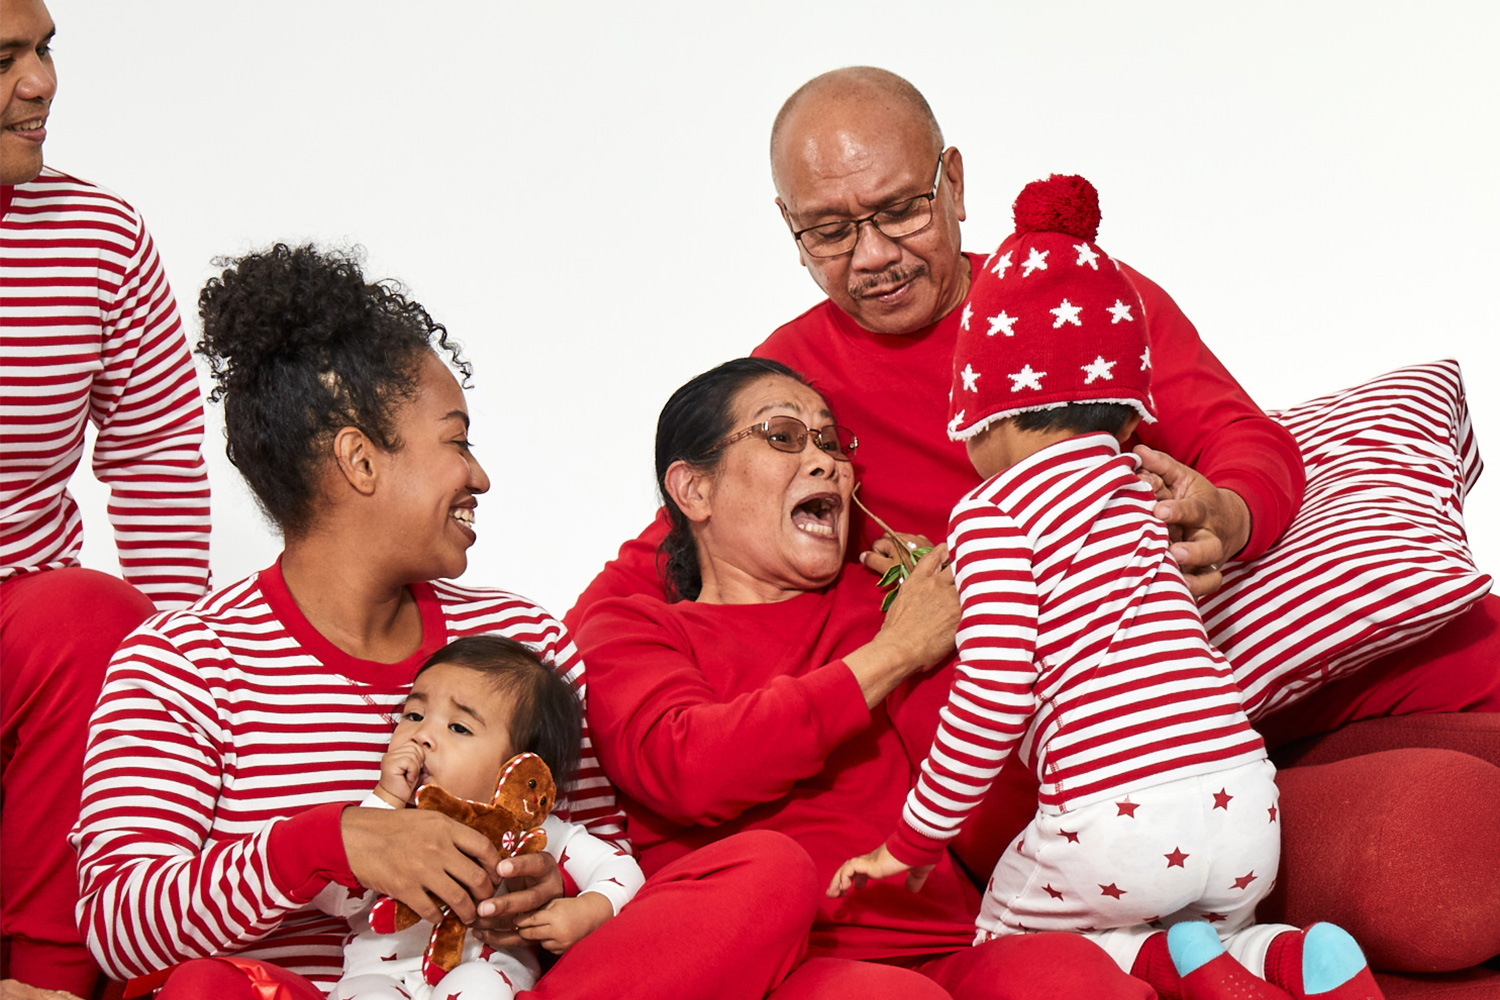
(839, 187)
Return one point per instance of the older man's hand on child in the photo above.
(1209, 525)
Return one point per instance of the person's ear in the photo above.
(356, 456)
(1130, 425)
(953, 169)
(691, 489)
(787, 218)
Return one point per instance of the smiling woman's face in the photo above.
(774, 523)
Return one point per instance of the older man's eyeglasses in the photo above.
(790, 435)
(906, 218)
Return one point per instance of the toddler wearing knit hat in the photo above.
(1081, 649)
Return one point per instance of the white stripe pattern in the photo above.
(213, 725)
(89, 331)
(1376, 558)
(1079, 644)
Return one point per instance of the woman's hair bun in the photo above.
(281, 305)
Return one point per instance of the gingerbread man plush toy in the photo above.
(512, 820)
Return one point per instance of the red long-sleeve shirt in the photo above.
(713, 719)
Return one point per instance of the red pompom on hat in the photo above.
(1050, 319)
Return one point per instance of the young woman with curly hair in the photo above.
(232, 738)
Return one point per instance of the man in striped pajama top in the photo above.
(1081, 648)
(89, 333)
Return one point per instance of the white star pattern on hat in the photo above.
(1086, 255)
(1066, 313)
(1003, 324)
(1001, 266)
(971, 378)
(1025, 379)
(1119, 311)
(1035, 261)
(968, 315)
(1146, 358)
(958, 418)
(1098, 368)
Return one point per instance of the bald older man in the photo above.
(874, 200)
(853, 155)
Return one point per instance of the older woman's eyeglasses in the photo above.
(790, 435)
(906, 218)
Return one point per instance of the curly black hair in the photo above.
(300, 345)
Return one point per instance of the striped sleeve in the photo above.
(991, 701)
(149, 415)
(157, 885)
(89, 332)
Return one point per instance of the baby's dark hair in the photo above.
(545, 719)
(1079, 418)
(300, 345)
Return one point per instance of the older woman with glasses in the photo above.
(766, 696)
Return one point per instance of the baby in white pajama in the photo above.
(474, 705)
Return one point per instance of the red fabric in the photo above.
(58, 629)
(718, 719)
(844, 979)
(235, 979)
(1040, 966)
(728, 922)
(1411, 834)
(1049, 320)
(1456, 670)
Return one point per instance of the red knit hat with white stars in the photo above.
(1050, 320)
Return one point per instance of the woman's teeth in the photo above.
(463, 515)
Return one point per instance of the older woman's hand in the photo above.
(917, 632)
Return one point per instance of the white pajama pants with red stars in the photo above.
(1122, 869)
(389, 967)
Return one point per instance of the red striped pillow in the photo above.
(1376, 558)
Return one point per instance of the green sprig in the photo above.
(906, 558)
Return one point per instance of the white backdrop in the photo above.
(580, 192)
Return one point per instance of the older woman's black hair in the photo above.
(697, 417)
(545, 719)
(300, 345)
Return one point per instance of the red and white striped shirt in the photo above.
(227, 740)
(89, 331)
(1079, 643)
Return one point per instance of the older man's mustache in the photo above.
(887, 281)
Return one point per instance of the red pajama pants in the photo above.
(730, 922)
(58, 629)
